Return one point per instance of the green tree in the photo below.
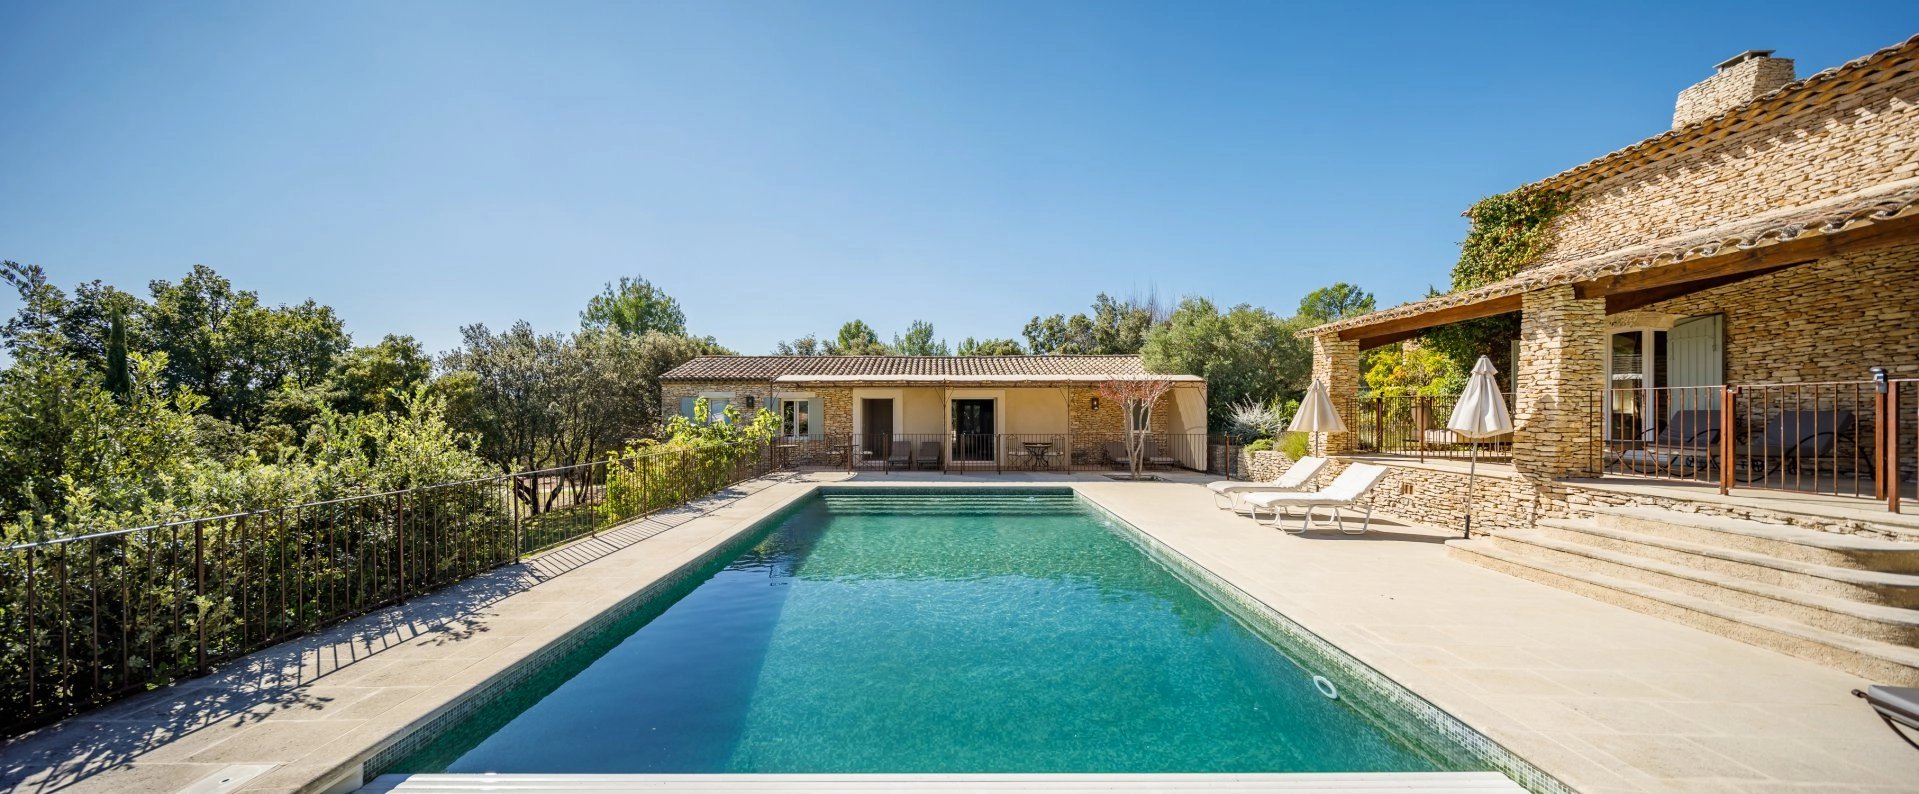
(919, 341)
(1245, 354)
(1412, 369)
(1334, 302)
(989, 347)
(808, 345)
(634, 306)
(222, 344)
(856, 338)
(1115, 327)
(119, 378)
(537, 401)
(375, 377)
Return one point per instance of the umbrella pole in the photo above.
(1472, 470)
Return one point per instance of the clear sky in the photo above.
(783, 167)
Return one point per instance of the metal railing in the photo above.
(1001, 453)
(1415, 427)
(90, 618)
(1668, 433)
(1836, 438)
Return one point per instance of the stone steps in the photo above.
(1870, 621)
(1872, 659)
(1866, 586)
(1778, 540)
(1849, 601)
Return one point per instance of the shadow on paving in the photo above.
(267, 682)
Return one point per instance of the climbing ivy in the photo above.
(1508, 233)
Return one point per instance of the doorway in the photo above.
(973, 438)
(876, 426)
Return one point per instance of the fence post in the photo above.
(1889, 473)
(1728, 398)
(399, 548)
(199, 593)
(513, 498)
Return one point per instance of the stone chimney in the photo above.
(1740, 79)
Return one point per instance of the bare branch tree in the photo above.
(1136, 397)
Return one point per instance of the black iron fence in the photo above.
(90, 618)
(1415, 427)
(1839, 438)
(1000, 453)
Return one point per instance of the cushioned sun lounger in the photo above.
(1897, 705)
(1116, 452)
(1346, 490)
(928, 456)
(1299, 476)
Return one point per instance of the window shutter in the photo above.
(686, 407)
(716, 409)
(815, 418)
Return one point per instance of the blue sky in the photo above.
(783, 167)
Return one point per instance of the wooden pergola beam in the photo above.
(1408, 327)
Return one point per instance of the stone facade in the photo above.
(1737, 82)
(1865, 138)
(1336, 365)
(1562, 367)
(1824, 321)
(1088, 427)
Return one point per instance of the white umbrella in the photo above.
(1316, 413)
(1480, 413)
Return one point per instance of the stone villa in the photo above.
(974, 411)
(1701, 339)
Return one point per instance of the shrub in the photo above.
(1260, 445)
(1294, 445)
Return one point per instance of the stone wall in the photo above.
(1435, 495)
(1561, 368)
(1863, 139)
(1731, 87)
(1336, 366)
(1824, 321)
(1263, 465)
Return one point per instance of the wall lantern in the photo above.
(1095, 403)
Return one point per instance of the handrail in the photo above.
(338, 500)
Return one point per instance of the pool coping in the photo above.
(1245, 606)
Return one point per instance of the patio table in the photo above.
(1037, 454)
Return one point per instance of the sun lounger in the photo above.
(928, 456)
(1791, 439)
(1897, 705)
(1299, 476)
(1116, 453)
(1689, 440)
(1345, 491)
(902, 455)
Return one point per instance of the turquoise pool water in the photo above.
(925, 631)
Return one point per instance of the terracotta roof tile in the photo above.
(766, 368)
(1832, 216)
(1895, 62)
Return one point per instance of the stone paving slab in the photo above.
(1603, 698)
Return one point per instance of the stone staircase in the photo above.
(1846, 601)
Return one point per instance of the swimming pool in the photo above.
(898, 631)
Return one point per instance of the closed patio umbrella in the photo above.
(1316, 413)
(1480, 413)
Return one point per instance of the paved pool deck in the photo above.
(1603, 698)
